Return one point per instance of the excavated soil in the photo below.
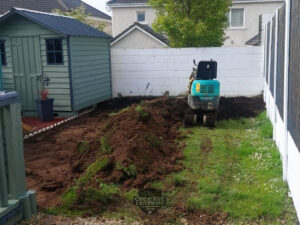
(143, 138)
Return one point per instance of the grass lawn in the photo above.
(234, 168)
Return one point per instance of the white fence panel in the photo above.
(142, 72)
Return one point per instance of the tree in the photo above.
(192, 23)
(79, 14)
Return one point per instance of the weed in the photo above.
(107, 126)
(153, 140)
(92, 170)
(129, 171)
(105, 193)
(70, 196)
(179, 180)
(119, 112)
(83, 146)
(129, 195)
(157, 185)
(105, 147)
(142, 114)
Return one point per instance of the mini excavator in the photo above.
(203, 94)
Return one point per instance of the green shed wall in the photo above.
(91, 72)
(59, 87)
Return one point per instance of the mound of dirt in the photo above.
(238, 107)
(142, 141)
(139, 143)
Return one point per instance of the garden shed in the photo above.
(58, 53)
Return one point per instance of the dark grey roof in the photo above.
(61, 24)
(50, 5)
(147, 29)
(255, 41)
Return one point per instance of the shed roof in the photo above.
(63, 25)
(50, 5)
(146, 29)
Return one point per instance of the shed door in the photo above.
(27, 69)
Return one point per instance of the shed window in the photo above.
(3, 55)
(54, 51)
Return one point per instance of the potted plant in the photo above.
(44, 106)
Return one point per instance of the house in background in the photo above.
(96, 17)
(139, 36)
(63, 55)
(243, 18)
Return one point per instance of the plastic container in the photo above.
(44, 109)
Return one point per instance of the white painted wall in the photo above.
(137, 72)
(137, 39)
(238, 37)
(122, 18)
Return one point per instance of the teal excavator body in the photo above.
(204, 94)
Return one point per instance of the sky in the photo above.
(98, 4)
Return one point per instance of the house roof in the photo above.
(118, 2)
(50, 5)
(255, 41)
(63, 25)
(146, 29)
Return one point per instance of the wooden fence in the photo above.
(282, 89)
(15, 202)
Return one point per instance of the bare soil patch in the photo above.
(140, 144)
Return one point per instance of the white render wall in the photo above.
(238, 37)
(152, 72)
(122, 18)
